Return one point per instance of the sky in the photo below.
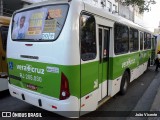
(152, 18)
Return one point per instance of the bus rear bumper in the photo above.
(67, 108)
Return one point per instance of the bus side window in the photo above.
(121, 39)
(87, 37)
(141, 41)
(134, 43)
(4, 33)
(149, 41)
(145, 41)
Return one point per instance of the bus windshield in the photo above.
(40, 24)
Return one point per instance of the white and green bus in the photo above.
(68, 55)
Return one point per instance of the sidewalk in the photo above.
(156, 105)
(156, 102)
(150, 101)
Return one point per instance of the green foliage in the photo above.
(143, 5)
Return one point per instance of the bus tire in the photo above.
(124, 83)
(148, 64)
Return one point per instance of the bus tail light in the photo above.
(64, 91)
(55, 107)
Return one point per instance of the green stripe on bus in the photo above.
(47, 77)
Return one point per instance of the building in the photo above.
(108, 5)
(112, 6)
(126, 11)
(157, 30)
(138, 17)
(131, 13)
(115, 7)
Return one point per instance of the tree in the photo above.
(143, 5)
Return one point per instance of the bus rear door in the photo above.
(104, 35)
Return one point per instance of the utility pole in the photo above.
(1, 7)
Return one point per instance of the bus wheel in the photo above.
(124, 83)
(148, 64)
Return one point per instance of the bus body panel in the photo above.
(43, 76)
(68, 108)
(122, 62)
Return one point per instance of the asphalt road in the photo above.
(116, 103)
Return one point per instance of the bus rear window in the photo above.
(40, 24)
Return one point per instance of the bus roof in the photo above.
(4, 20)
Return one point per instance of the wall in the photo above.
(126, 12)
(108, 5)
(138, 17)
